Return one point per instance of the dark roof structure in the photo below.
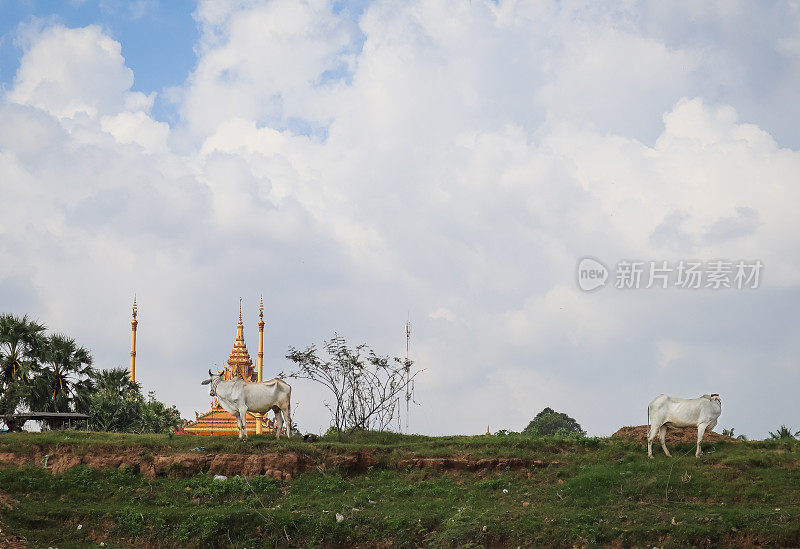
(44, 415)
(16, 421)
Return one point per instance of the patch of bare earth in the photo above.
(674, 435)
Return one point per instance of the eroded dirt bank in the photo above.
(280, 465)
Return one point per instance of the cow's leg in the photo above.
(243, 423)
(278, 422)
(662, 435)
(650, 437)
(288, 414)
(238, 424)
(701, 430)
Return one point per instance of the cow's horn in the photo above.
(209, 373)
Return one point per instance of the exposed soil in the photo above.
(11, 541)
(6, 501)
(674, 435)
(282, 466)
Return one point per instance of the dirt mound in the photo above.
(674, 435)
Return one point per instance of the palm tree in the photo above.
(21, 345)
(21, 341)
(64, 381)
(783, 432)
(116, 403)
(115, 382)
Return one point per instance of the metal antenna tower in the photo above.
(408, 371)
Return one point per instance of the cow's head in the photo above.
(213, 379)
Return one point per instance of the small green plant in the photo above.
(492, 484)
(130, 521)
(730, 433)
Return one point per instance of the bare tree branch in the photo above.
(366, 387)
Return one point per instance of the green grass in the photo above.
(601, 493)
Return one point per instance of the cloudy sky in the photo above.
(364, 163)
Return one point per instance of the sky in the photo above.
(363, 164)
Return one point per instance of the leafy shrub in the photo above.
(549, 422)
(205, 486)
(118, 405)
(26, 479)
(492, 484)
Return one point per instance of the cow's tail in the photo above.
(288, 414)
(289, 419)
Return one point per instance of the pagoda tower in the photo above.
(239, 363)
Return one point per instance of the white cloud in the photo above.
(67, 72)
(448, 165)
(137, 127)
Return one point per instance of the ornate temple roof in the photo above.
(239, 363)
(220, 422)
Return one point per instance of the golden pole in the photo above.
(260, 417)
(134, 323)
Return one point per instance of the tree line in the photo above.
(43, 372)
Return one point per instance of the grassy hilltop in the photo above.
(378, 489)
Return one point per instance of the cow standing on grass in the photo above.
(238, 397)
(666, 411)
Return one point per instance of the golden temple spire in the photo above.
(239, 363)
(261, 340)
(260, 378)
(134, 324)
(240, 326)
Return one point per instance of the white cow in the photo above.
(664, 411)
(239, 396)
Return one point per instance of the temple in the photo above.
(219, 421)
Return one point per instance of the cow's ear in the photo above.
(206, 382)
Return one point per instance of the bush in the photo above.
(118, 405)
